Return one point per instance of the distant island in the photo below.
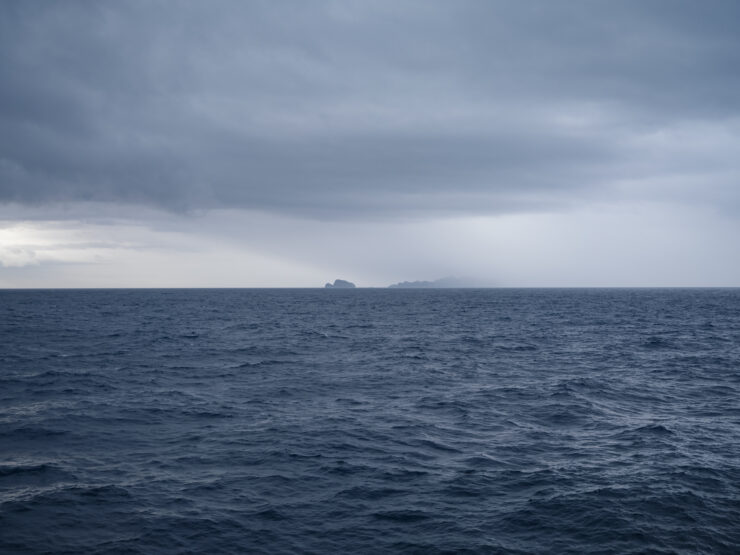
(340, 284)
(446, 282)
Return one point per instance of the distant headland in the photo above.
(446, 282)
(449, 282)
(340, 284)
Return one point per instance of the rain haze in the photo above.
(286, 144)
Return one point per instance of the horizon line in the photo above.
(120, 288)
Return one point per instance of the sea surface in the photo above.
(370, 421)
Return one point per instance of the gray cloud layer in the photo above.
(339, 109)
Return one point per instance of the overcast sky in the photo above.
(280, 143)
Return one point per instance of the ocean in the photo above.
(370, 421)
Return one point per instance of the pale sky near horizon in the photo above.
(290, 143)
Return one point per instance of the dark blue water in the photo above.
(420, 421)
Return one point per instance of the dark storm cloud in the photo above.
(342, 108)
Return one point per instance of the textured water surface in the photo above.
(421, 421)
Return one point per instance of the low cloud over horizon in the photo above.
(292, 143)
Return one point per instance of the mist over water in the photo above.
(420, 421)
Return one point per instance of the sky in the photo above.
(289, 143)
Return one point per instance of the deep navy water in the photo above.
(369, 421)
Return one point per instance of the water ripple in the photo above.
(373, 421)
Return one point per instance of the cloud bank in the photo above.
(340, 110)
(227, 143)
